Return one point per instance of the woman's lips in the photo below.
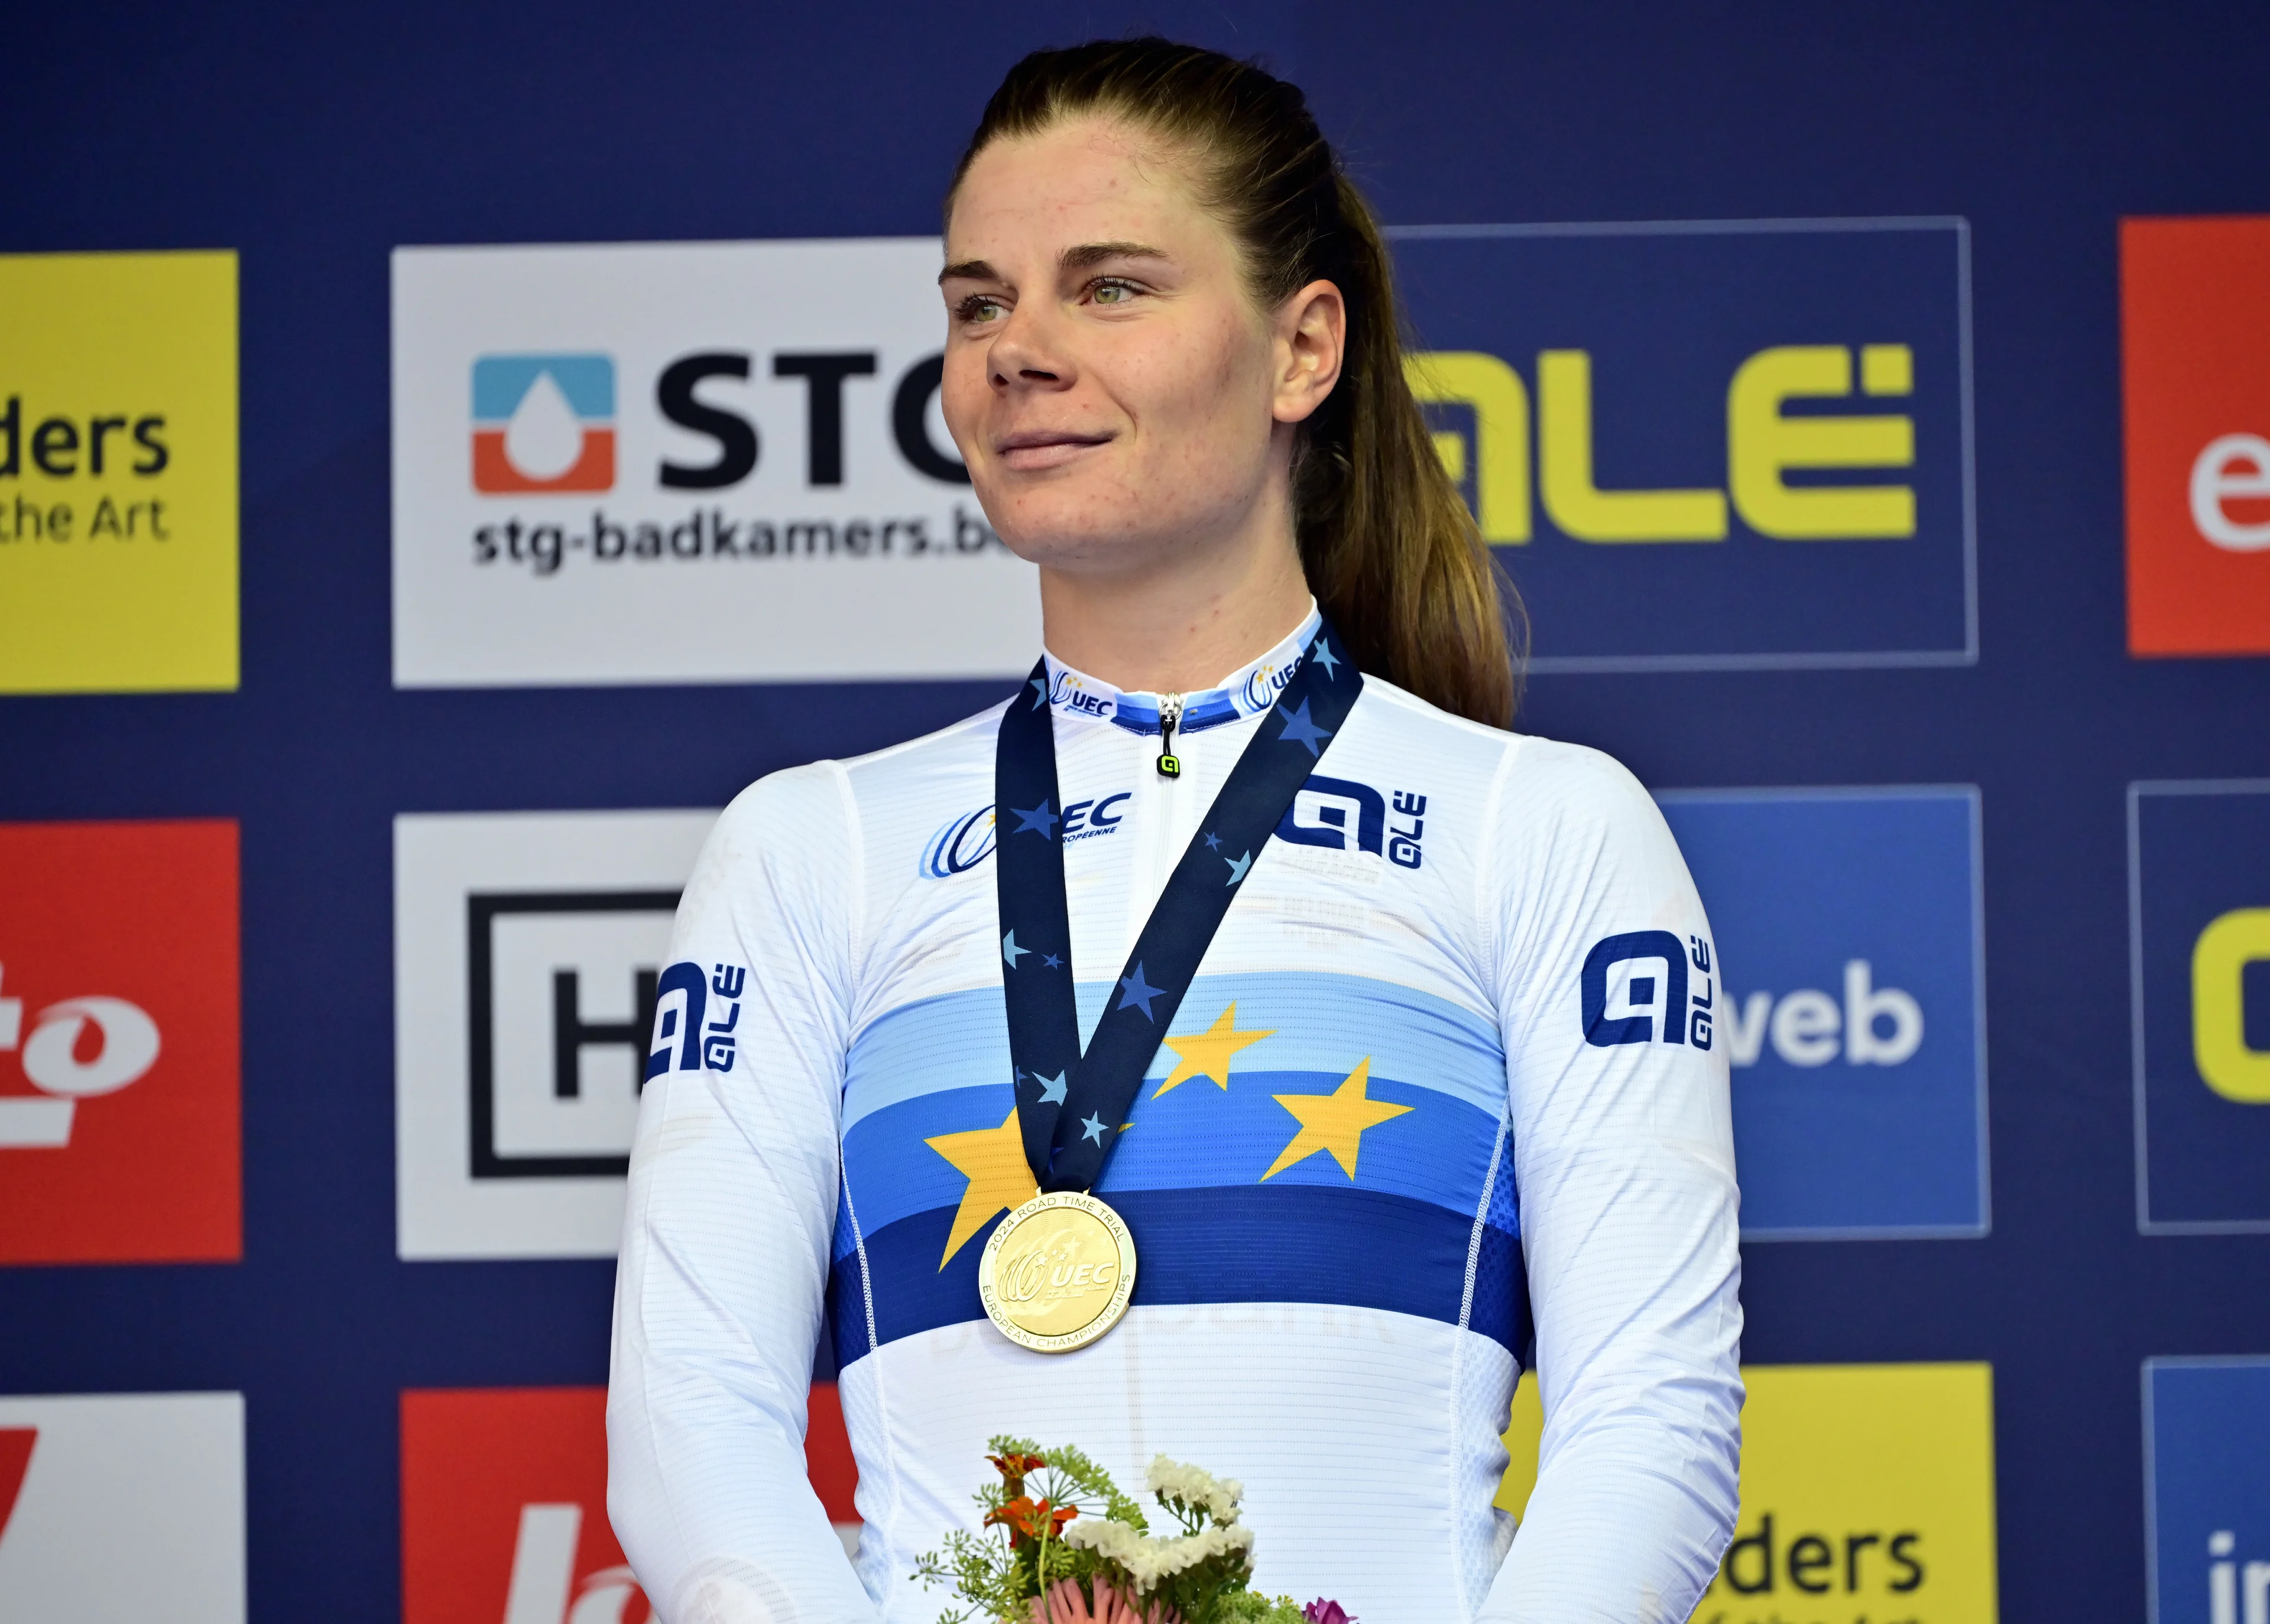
(1039, 449)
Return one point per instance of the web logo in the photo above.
(543, 423)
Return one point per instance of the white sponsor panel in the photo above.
(686, 462)
(527, 946)
(122, 1508)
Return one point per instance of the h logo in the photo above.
(557, 979)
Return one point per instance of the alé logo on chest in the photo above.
(1335, 814)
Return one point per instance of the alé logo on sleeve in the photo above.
(118, 1042)
(1768, 415)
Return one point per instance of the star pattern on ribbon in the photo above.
(1321, 652)
(1091, 1127)
(1052, 1089)
(1040, 688)
(1040, 820)
(1212, 840)
(1237, 867)
(1049, 961)
(1299, 730)
(1010, 952)
(1136, 993)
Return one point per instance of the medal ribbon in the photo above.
(1070, 1105)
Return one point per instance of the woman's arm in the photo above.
(1623, 1159)
(726, 1238)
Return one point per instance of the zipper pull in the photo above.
(1170, 715)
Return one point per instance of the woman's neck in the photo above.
(1180, 628)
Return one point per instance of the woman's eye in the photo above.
(979, 308)
(1109, 292)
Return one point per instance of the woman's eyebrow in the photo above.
(969, 271)
(1088, 255)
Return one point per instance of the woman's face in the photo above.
(1118, 399)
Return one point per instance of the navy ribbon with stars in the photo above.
(1069, 1106)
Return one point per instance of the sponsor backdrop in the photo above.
(442, 459)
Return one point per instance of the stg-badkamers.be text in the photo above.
(709, 533)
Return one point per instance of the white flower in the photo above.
(1194, 1487)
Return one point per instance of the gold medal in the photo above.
(1058, 1272)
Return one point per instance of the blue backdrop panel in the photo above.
(1667, 314)
(314, 139)
(2202, 852)
(1848, 928)
(2206, 1432)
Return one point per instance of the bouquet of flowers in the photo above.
(1060, 1544)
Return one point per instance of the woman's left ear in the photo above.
(1312, 340)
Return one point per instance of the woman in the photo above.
(1435, 1101)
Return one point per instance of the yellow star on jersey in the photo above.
(1206, 1054)
(1333, 1121)
(993, 1161)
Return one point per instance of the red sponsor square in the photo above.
(119, 1116)
(504, 1505)
(2195, 339)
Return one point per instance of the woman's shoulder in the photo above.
(818, 803)
(1540, 768)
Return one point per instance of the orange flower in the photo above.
(1025, 1518)
(1014, 1468)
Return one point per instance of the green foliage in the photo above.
(1252, 1607)
(1020, 1551)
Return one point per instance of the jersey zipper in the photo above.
(1170, 717)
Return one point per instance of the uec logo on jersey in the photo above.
(544, 423)
(1680, 1018)
(62, 1064)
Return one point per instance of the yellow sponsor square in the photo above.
(1867, 1496)
(118, 499)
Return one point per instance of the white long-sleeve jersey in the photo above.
(1444, 1097)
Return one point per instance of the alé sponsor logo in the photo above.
(546, 425)
(546, 1588)
(1838, 459)
(60, 449)
(72, 1051)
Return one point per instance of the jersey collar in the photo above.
(1246, 691)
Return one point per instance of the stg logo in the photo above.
(118, 1042)
(544, 423)
(125, 1046)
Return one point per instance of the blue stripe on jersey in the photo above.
(1264, 1243)
(1194, 1137)
(1317, 1022)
